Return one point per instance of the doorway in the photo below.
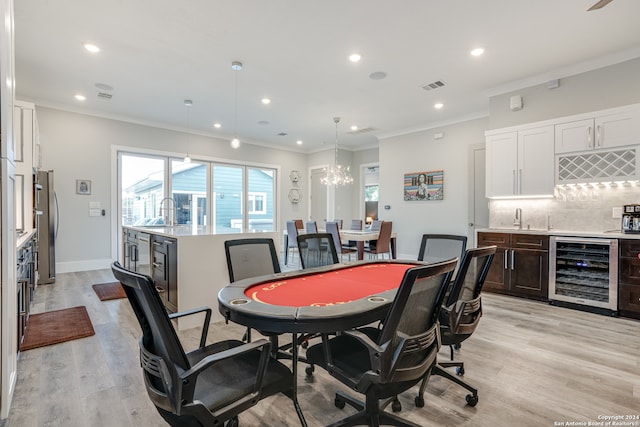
(478, 203)
(318, 196)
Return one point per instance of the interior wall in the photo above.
(421, 152)
(79, 146)
(599, 89)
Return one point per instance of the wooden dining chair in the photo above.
(383, 244)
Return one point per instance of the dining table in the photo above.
(358, 236)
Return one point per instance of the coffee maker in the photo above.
(631, 219)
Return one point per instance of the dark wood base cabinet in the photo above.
(520, 266)
(164, 270)
(629, 278)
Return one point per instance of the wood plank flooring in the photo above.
(534, 365)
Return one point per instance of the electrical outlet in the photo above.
(616, 212)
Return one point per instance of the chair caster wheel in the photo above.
(309, 370)
(396, 406)
(419, 402)
(460, 370)
(457, 346)
(233, 422)
(305, 344)
(472, 400)
(339, 403)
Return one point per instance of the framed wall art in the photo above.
(424, 185)
(83, 186)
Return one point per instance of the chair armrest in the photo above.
(189, 377)
(205, 326)
(373, 349)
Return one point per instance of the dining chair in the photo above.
(383, 243)
(332, 228)
(436, 247)
(292, 239)
(210, 385)
(311, 227)
(375, 226)
(299, 224)
(317, 249)
(356, 225)
(381, 362)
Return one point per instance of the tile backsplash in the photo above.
(573, 208)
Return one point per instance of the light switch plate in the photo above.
(616, 212)
(94, 205)
(95, 212)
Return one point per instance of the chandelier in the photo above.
(337, 174)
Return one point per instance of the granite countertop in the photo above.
(609, 234)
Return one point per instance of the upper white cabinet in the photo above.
(598, 132)
(25, 135)
(520, 163)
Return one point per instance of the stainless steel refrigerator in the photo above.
(46, 226)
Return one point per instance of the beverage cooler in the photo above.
(584, 272)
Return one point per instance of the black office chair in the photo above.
(209, 385)
(380, 363)
(316, 250)
(250, 258)
(460, 315)
(436, 247)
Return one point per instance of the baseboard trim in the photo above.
(74, 266)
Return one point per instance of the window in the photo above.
(257, 203)
(156, 190)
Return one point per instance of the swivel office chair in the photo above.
(380, 363)
(210, 385)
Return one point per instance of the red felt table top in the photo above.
(332, 287)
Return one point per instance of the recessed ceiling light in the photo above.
(354, 127)
(355, 57)
(103, 86)
(299, 142)
(80, 97)
(477, 51)
(377, 75)
(91, 47)
(438, 105)
(217, 125)
(266, 101)
(263, 122)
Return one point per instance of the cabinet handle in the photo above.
(157, 264)
(514, 182)
(506, 259)
(160, 290)
(589, 142)
(598, 142)
(519, 181)
(513, 258)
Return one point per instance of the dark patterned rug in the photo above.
(57, 326)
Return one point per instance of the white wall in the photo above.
(420, 152)
(599, 89)
(79, 146)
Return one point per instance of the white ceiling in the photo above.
(156, 53)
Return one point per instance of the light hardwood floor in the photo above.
(534, 365)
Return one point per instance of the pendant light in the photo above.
(337, 174)
(188, 103)
(235, 142)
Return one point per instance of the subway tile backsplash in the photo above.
(573, 208)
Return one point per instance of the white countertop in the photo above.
(612, 234)
(176, 230)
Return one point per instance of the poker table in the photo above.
(324, 299)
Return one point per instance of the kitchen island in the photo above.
(189, 260)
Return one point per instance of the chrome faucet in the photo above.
(518, 219)
(175, 212)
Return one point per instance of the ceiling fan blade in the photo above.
(599, 5)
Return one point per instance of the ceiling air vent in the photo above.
(361, 131)
(435, 85)
(104, 95)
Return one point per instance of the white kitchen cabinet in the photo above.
(520, 163)
(25, 133)
(599, 132)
